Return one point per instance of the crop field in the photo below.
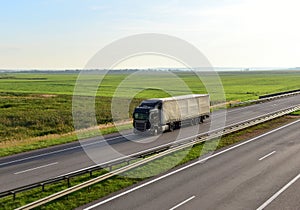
(237, 85)
(34, 105)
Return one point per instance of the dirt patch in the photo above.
(110, 125)
(47, 95)
(228, 103)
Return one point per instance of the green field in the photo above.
(34, 105)
(237, 85)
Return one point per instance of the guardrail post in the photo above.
(91, 173)
(68, 181)
(43, 187)
(14, 195)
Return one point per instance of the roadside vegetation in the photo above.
(296, 113)
(151, 169)
(36, 108)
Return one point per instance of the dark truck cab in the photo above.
(147, 117)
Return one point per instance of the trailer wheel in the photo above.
(201, 119)
(154, 131)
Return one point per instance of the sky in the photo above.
(65, 34)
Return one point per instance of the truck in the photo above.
(157, 115)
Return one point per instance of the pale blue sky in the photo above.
(65, 34)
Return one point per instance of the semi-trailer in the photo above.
(166, 114)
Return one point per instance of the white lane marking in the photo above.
(271, 153)
(186, 167)
(62, 150)
(183, 202)
(265, 204)
(39, 167)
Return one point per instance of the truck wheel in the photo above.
(172, 126)
(154, 131)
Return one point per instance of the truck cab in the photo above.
(147, 117)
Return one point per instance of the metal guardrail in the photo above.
(88, 170)
(261, 100)
(280, 93)
(173, 147)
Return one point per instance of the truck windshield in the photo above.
(141, 116)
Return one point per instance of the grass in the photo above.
(33, 121)
(237, 85)
(36, 108)
(154, 168)
(296, 113)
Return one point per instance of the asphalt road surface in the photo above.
(26, 168)
(260, 173)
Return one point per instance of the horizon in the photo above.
(217, 69)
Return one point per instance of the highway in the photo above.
(259, 173)
(19, 170)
